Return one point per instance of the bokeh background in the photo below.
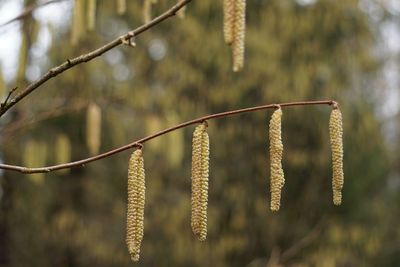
(181, 69)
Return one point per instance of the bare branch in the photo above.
(28, 11)
(12, 128)
(140, 142)
(69, 63)
(8, 97)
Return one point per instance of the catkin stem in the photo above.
(136, 202)
(336, 140)
(200, 172)
(276, 153)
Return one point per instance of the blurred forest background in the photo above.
(179, 70)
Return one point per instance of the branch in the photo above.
(8, 97)
(11, 129)
(123, 39)
(140, 142)
(28, 11)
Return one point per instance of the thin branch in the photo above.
(11, 129)
(8, 97)
(28, 11)
(303, 243)
(140, 142)
(69, 63)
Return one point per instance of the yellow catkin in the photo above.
(336, 140)
(78, 25)
(200, 172)
(276, 152)
(136, 202)
(93, 128)
(62, 153)
(181, 13)
(121, 7)
(91, 14)
(229, 19)
(146, 11)
(239, 28)
(35, 155)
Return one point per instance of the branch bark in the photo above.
(140, 142)
(53, 72)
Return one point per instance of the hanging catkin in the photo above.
(276, 152)
(78, 25)
(136, 200)
(229, 20)
(93, 128)
(62, 151)
(200, 171)
(91, 14)
(239, 28)
(146, 11)
(121, 7)
(336, 139)
(181, 13)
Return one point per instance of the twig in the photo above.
(140, 142)
(10, 130)
(69, 63)
(8, 97)
(304, 242)
(28, 11)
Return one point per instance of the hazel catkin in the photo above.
(136, 201)
(121, 7)
(91, 14)
(93, 128)
(229, 20)
(239, 28)
(336, 140)
(200, 172)
(276, 152)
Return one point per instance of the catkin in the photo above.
(239, 28)
(181, 13)
(62, 151)
(336, 140)
(121, 7)
(78, 25)
(276, 152)
(200, 172)
(91, 14)
(146, 11)
(93, 128)
(229, 20)
(136, 201)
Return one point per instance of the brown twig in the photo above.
(140, 142)
(28, 11)
(12, 128)
(69, 63)
(8, 97)
(304, 242)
